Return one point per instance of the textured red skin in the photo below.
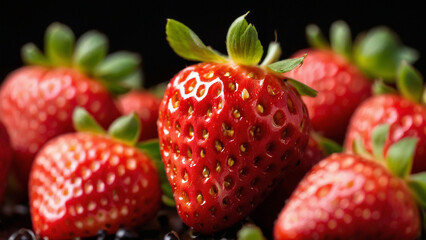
(36, 104)
(252, 180)
(70, 187)
(348, 197)
(267, 212)
(5, 159)
(145, 105)
(406, 119)
(341, 88)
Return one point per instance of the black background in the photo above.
(139, 26)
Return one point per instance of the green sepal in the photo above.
(400, 155)
(327, 145)
(341, 39)
(378, 138)
(242, 42)
(424, 96)
(126, 129)
(188, 45)
(117, 66)
(131, 82)
(286, 65)
(409, 82)
(152, 149)
(84, 122)
(59, 44)
(32, 55)
(91, 49)
(250, 232)
(302, 89)
(315, 37)
(273, 54)
(379, 52)
(359, 149)
(417, 184)
(379, 88)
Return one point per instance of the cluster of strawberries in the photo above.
(328, 144)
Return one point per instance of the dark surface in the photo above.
(139, 26)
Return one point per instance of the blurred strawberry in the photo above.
(5, 159)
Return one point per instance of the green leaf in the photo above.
(84, 122)
(59, 40)
(379, 88)
(359, 149)
(341, 39)
(273, 54)
(117, 66)
(315, 37)
(186, 44)
(400, 156)
(417, 184)
(286, 65)
(31, 55)
(409, 82)
(378, 139)
(250, 232)
(424, 96)
(379, 52)
(91, 49)
(302, 89)
(242, 42)
(327, 145)
(131, 82)
(126, 129)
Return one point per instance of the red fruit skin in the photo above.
(406, 119)
(267, 212)
(81, 182)
(145, 105)
(5, 160)
(341, 88)
(36, 104)
(348, 197)
(219, 165)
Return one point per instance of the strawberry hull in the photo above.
(227, 134)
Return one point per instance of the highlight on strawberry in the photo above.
(360, 195)
(343, 70)
(229, 128)
(37, 100)
(94, 179)
(402, 105)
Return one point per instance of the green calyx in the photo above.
(377, 52)
(242, 44)
(119, 72)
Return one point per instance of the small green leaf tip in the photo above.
(378, 139)
(250, 232)
(409, 82)
(417, 184)
(341, 38)
(327, 145)
(273, 54)
(359, 149)
(84, 122)
(286, 65)
(91, 49)
(315, 37)
(31, 55)
(242, 42)
(302, 89)
(126, 129)
(59, 40)
(379, 88)
(188, 45)
(400, 156)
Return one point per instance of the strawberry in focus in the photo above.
(37, 101)
(404, 110)
(5, 160)
(90, 180)
(228, 128)
(342, 74)
(358, 196)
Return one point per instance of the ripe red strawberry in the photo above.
(228, 129)
(405, 112)
(145, 104)
(36, 102)
(86, 181)
(5, 159)
(343, 77)
(365, 196)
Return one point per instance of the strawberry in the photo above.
(228, 128)
(36, 101)
(350, 196)
(5, 159)
(404, 110)
(145, 104)
(342, 75)
(89, 180)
